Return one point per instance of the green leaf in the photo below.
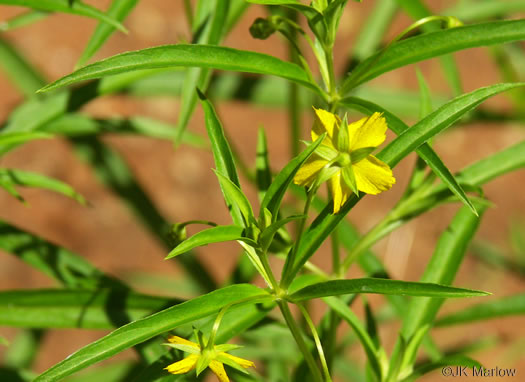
(373, 29)
(56, 262)
(19, 71)
(502, 162)
(274, 195)
(338, 306)
(222, 155)
(66, 6)
(22, 20)
(199, 78)
(503, 307)
(31, 179)
(270, 231)
(141, 330)
(11, 140)
(118, 10)
(448, 361)
(171, 56)
(93, 309)
(442, 269)
(437, 121)
(424, 150)
(434, 44)
(381, 286)
(234, 193)
(207, 236)
(469, 11)
(425, 106)
(263, 173)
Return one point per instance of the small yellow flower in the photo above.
(214, 358)
(344, 157)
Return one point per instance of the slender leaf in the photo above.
(503, 307)
(373, 29)
(437, 121)
(234, 193)
(95, 309)
(442, 269)
(263, 172)
(138, 331)
(222, 155)
(22, 20)
(448, 361)
(31, 179)
(338, 306)
(502, 162)
(118, 10)
(208, 236)
(471, 11)
(62, 265)
(381, 286)
(76, 7)
(9, 139)
(434, 44)
(19, 71)
(171, 56)
(200, 77)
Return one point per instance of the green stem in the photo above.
(336, 261)
(189, 13)
(266, 265)
(290, 260)
(318, 344)
(365, 242)
(296, 332)
(293, 91)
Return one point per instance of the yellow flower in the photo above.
(201, 358)
(344, 157)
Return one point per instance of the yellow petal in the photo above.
(367, 132)
(218, 368)
(182, 341)
(309, 170)
(325, 122)
(373, 176)
(181, 367)
(339, 191)
(241, 361)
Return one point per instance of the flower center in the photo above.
(343, 160)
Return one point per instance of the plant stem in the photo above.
(336, 261)
(318, 344)
(296, 332)
(293, 92)
(290, 260)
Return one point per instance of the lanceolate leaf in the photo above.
(207, 236)
(200, 77)
(435, 44)
(31, 179)
(119, 10)
(19, 71)
(380, 286)
(437, 121)
(222, 155)
(66, 267)
(171, 56)
(76, 7)
(93, 309)
(235, 194)
(143, 329)
(506, 306)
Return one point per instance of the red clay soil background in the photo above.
(183, 187)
